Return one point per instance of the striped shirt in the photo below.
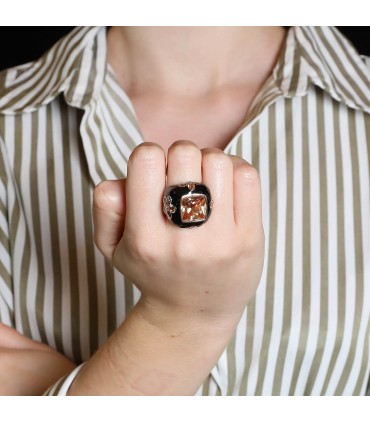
(66, 124)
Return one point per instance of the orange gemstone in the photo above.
(193, 208)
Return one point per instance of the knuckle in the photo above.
(247, 173)
(147, 152)
(143, 253)
(255, 241)
(184, 152)
(183, 144)
(216, 158)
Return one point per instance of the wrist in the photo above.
(173, 321)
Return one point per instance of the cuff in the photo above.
(61, 387)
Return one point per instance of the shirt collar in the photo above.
(324, 57)
(76, 67)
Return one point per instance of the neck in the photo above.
(192, 61)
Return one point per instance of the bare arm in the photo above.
(28, 367)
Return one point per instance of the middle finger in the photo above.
(184, 163)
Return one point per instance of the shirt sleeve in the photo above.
(61, 387)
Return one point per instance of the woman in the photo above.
(226, 94)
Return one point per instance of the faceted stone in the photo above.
(193, 208)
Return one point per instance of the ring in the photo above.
(187, 205)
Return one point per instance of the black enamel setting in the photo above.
(176, 192)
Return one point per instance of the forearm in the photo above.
(141, 359)
(30, 371)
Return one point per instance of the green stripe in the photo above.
(296, 73)
(129, 296)
(86, 203)
(111, 298)
(306, 249)
(205, 387)
(231, 366)
(71, 236)
(58, 386)
(35, 212)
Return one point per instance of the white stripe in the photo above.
(350, 265)
(297, 253)
(68, 382)
(213, 386)
(240, 352)
(279, 277)
(4, 225)
(6, 294)
(5, 259)
(315, 247)
(5, 311)
(288, 62)
(136, 294)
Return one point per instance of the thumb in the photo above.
(109, 211)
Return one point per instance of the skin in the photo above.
(195, 283)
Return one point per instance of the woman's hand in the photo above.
(203, 275)
(195, 283)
